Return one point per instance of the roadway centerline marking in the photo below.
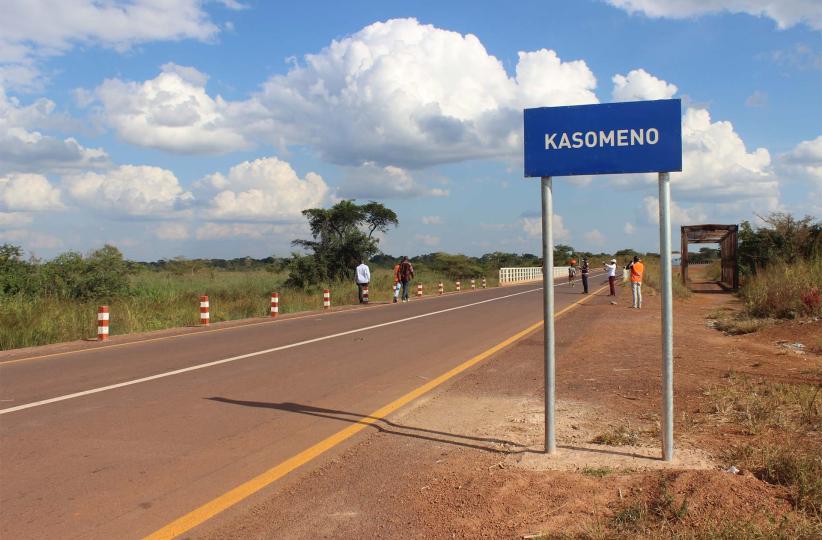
(228, 499)
(250, 355)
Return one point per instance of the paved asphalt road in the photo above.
(125, 461)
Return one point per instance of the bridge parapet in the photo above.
(523, 274)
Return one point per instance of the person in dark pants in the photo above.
(611, 268)
(584, 269)
(363, 278)
(406, 275)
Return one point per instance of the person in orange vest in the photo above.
(396, 282)
(637, 269)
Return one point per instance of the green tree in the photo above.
(15, 273)
(342, 236)
(782, 238)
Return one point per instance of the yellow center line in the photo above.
(221, 503)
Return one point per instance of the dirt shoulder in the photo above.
(466, 460)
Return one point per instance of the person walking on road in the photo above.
(572, 272)
(611, 268)
(363, 278)
(637, 269)
(406, 275)
(584, 269)
(396, 282)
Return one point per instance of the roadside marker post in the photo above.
(440, 288)
(483, 283)
(326, 299)
(204, 314)
(458, 286)
(365, 294)
(102, 323)
(610, 138)
(419, 289)
(275, 304)
(473, 284)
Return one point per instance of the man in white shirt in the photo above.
(363, 277)
(611, 268)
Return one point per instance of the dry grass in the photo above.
(785, 291)
(783, 422)
(621, 436)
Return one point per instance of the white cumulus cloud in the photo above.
(785, 13)
(28, 193)
(532, 226)
(32, 30)
(171, 230)
(431, 220)
(129, 191)
(24, 148)
(408, 94)
(265, 189)
(428, 240)
(171, 112)
(371, 181)
(595, 238)
(629, 228)
(640, 85)
(716, 165)
(679, 215)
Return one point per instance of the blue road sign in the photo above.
(611, 138)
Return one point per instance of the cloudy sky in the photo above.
(197, 128)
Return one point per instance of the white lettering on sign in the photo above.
(591, 139)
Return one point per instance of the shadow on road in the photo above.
(385, 426)
(707, 287)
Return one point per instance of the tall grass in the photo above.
(161, 300)
(653, 278)
(785, 291)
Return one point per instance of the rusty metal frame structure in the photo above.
(727, 238)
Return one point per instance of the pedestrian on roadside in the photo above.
(572, 272)
(584, 269)
(637, 269)
(611, 268)
(396, 282)
(406, 275)
(363, 278)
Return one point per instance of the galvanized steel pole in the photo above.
(548, 310)
(667, 317)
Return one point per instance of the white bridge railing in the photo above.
(521, 274)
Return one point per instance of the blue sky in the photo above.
(203, 128)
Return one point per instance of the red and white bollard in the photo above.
(483, 283)
(204, 315)
(102, 323)
(326, 299)
(275, 304)
(440, 289)
(458, 286)
(419, 289)
(365, 294)
(473, 284)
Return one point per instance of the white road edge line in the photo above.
(248, 355)
(257, 353)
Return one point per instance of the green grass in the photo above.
(161, 300)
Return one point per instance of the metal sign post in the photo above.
(642, 136)
(667, 317)
(548, 309)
